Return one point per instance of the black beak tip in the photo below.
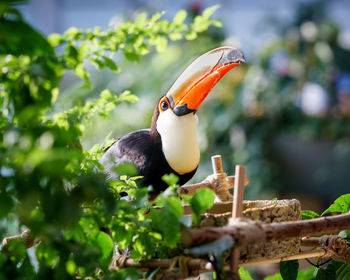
(233, 55)
(182, 110)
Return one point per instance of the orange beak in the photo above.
(195, 83)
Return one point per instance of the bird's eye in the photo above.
(164, 106)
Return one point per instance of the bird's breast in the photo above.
(179, 141)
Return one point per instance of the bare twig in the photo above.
(29, 241)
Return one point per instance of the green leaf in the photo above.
(341, 204)
(161, 44)
(191, 35)
(6, 203)
(167, 223)
(126, 169)
(289, 270)
(127, 96)
(171, 179)
(141, 20)
(174, 205)
(105, 244)
(175, 36)
(46, 254)
(210, 10)
(19, 38)
(129, 273)
(200, 202)
(71, 267)
(308, 214)
(343, 272)
(276, 276)
(111, 64)
(326, 273)
(307, 274)
(244, 274)
(143, 49)
(155, 17)
(55, 39)
(180, 17)
(72, 33)
(131, 55)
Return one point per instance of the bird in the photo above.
(170, 144)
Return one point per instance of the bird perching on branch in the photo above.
(170, 145)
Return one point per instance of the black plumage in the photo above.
(143, 148)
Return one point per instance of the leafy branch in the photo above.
(48, 182)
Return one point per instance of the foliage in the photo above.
(244, 274)
(200, 202)
(341, 205)
(49, 183)
(289, 269)
(308, 214)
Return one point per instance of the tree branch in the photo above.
(245, 231)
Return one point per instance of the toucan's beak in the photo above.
(194, 84)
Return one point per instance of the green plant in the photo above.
(49, 183)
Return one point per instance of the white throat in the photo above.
(179, 140)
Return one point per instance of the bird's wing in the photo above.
(131, 148)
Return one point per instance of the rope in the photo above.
(118, 262)
(335, 247)
(182, 263)
(219, 184)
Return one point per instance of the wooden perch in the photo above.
(219, 182)
(245, 231)
(237, 212)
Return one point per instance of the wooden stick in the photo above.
(193, 264)
(335, 241)
(310, 241)
(217, 164)
(191, 189)
(245, 231)
(299, 256)
(238, 193)
(237, 212)
(203, 265)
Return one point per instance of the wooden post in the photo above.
(217, 164)
(237, 212)
(238, 192)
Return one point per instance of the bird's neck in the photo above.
(179, 140)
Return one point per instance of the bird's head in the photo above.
(175, 119)
(194, 84)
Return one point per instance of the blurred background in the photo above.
(285, 114)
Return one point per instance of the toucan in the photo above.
(170, 145)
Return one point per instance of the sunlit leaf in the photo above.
(170, 179)
(308, 214)
(244, 274)
(105, 243)
(174, 205)
(180, 17)
(110, 64)
(341, 204)
(210, 10)
(276, 276)
(200, 202)
(125, 169)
